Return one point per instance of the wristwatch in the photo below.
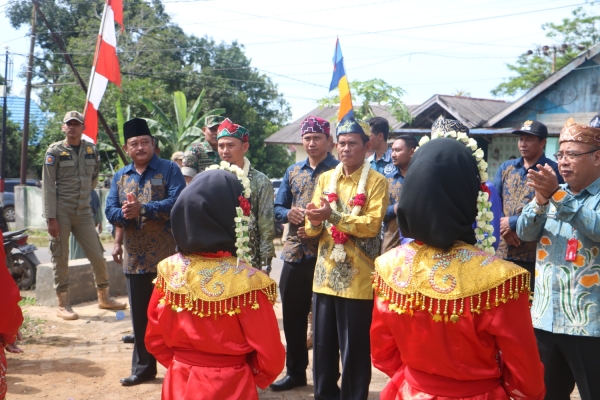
(142, 210)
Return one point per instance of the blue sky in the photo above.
(426, 47)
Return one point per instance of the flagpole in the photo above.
(69, 61)
(93, 74)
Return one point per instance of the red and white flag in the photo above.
(105, 68)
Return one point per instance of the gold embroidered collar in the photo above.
(208, 286)
(416, 277)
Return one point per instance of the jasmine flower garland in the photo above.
(338, 253)
(242, 220)
(484, 230)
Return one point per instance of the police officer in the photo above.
(71, 172)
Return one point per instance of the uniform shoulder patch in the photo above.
(89, 150)
(50, 159)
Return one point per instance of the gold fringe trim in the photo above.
(203, 308)
(451, 310)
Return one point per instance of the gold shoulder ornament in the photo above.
(416, 277)
(211, 286)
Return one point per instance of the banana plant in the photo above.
(187, 128)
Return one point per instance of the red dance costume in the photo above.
(454, 325)
(11, 318)
(212, 324)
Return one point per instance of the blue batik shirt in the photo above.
(296, 190)
(384, 164)
(391, 235)
(510, 181)
(567, 293)
(148, 239)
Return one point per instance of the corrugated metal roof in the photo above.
(290, 134)
(16, 110)
(469, 110)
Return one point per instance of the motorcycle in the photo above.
(20, 258)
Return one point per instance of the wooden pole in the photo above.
(69, 61)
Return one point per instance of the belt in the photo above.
(444, 386)
(201, 359)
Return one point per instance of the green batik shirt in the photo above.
(262, 220)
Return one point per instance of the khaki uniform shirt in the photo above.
(69, 177)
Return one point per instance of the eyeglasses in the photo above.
(569, 155)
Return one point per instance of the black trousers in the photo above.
(295, 286)
(341, 326)
(140, 289)
(567, 360)
(529, 266)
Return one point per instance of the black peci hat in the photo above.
(136, 127)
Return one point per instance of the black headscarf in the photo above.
(438, 204)
(202, 218)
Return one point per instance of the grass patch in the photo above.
(27, 301)
(31, 327)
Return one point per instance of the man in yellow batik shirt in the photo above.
(346, 213)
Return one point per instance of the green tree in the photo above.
(569, 38)
(157, 58)
(374, 91)
(187, 128)
(14, 139)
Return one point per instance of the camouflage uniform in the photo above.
(196, 159)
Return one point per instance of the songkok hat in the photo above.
(443, 126)
(314, 125)
(213, 120)
(535, 128)
(135, 127)
(228, 128)
(574, 132)
(352, 125)
(73, 115)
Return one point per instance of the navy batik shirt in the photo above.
(296, 190)
(511, 183)
(384, 164)
(148, 239)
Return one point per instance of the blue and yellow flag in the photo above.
(340, 80)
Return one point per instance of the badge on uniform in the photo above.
(50, 159)
(89, 150)
(65, 155)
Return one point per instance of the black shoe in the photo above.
(135, 380)
(287, 382)
(128, 338)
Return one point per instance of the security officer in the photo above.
(71, 172)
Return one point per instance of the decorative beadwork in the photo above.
(447, 310)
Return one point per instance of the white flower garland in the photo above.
(484, 231)
(338, 253)
(241, 221)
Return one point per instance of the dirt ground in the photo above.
(84, 359)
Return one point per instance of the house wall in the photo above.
(576, 95)
(503, 147)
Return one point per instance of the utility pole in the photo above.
(3, 148)
(25, 144)
(69, 61)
